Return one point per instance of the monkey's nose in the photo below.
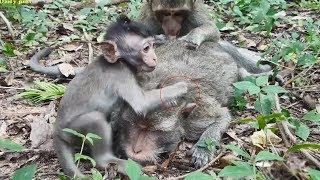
(136, 149)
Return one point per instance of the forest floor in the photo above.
(73, 29)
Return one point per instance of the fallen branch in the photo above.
(10, 87)
(311, 158)
(7, 23)
(201, 169)
(292, 137)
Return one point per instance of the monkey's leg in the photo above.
(95, 122)
(65, 156)
(200, 155)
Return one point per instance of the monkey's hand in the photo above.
(192, 39)
(160, 39)
(200, 155)
(171, 93)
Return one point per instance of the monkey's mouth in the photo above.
(144, 156)
(148, 69)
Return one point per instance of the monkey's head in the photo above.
(171, 14)
(130, 42)
(145, 140)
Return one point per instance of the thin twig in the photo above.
(7, 23)
(4, 87)
(311, 158)
(293, 138)
(90, 52)
(88, 39)
(201, 169)
(283, 135)
(297, 76)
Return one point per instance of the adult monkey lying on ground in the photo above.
(188, 20)
(104, 86)
(214, 71)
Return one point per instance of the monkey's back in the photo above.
(209, 66)
(214, 72)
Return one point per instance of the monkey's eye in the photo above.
(146, 48)
(166, 13)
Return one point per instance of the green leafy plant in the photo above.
(200, 176)
(90, 19)
(310, 4)
(80, 156)
(10, 145)
(209, 144)
(261, 90)
(43, 91)
(301, 49)
(301, 128)
(134, 171)
(314, 174)
(134, 8)
(255, 15)
(248, 167)
(8, 49)
(3, 66)
(25, 173)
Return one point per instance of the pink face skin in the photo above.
(146, 49)
(171, 22)
(141, 145)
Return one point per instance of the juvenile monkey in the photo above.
(104, 86)
(188, 20)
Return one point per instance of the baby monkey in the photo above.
(105, 86)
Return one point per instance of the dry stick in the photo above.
(90, 52)
(311, 158)
(7, 23)
(293, 138)
(201, 169)
(4, 87)
(89, 45)
(297, 76)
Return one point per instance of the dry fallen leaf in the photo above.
(249, 42)
(150, 169)
(68, 27)
(227, 159)
(71, 47)
(66, 69)
(259, 138)
(3, 130)
(9, 79)
(41, 133)
(264, 164)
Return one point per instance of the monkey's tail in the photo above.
(66, 159)
(52, 70)
(245, 58)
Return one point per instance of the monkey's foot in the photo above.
(200, 156)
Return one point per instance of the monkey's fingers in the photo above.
(200, 156)
(189, 43)
(160, 39)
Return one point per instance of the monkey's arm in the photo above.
(201, 155)
(146, 17)
(204, 29)
(143, 101)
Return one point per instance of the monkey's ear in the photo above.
(110, 51)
